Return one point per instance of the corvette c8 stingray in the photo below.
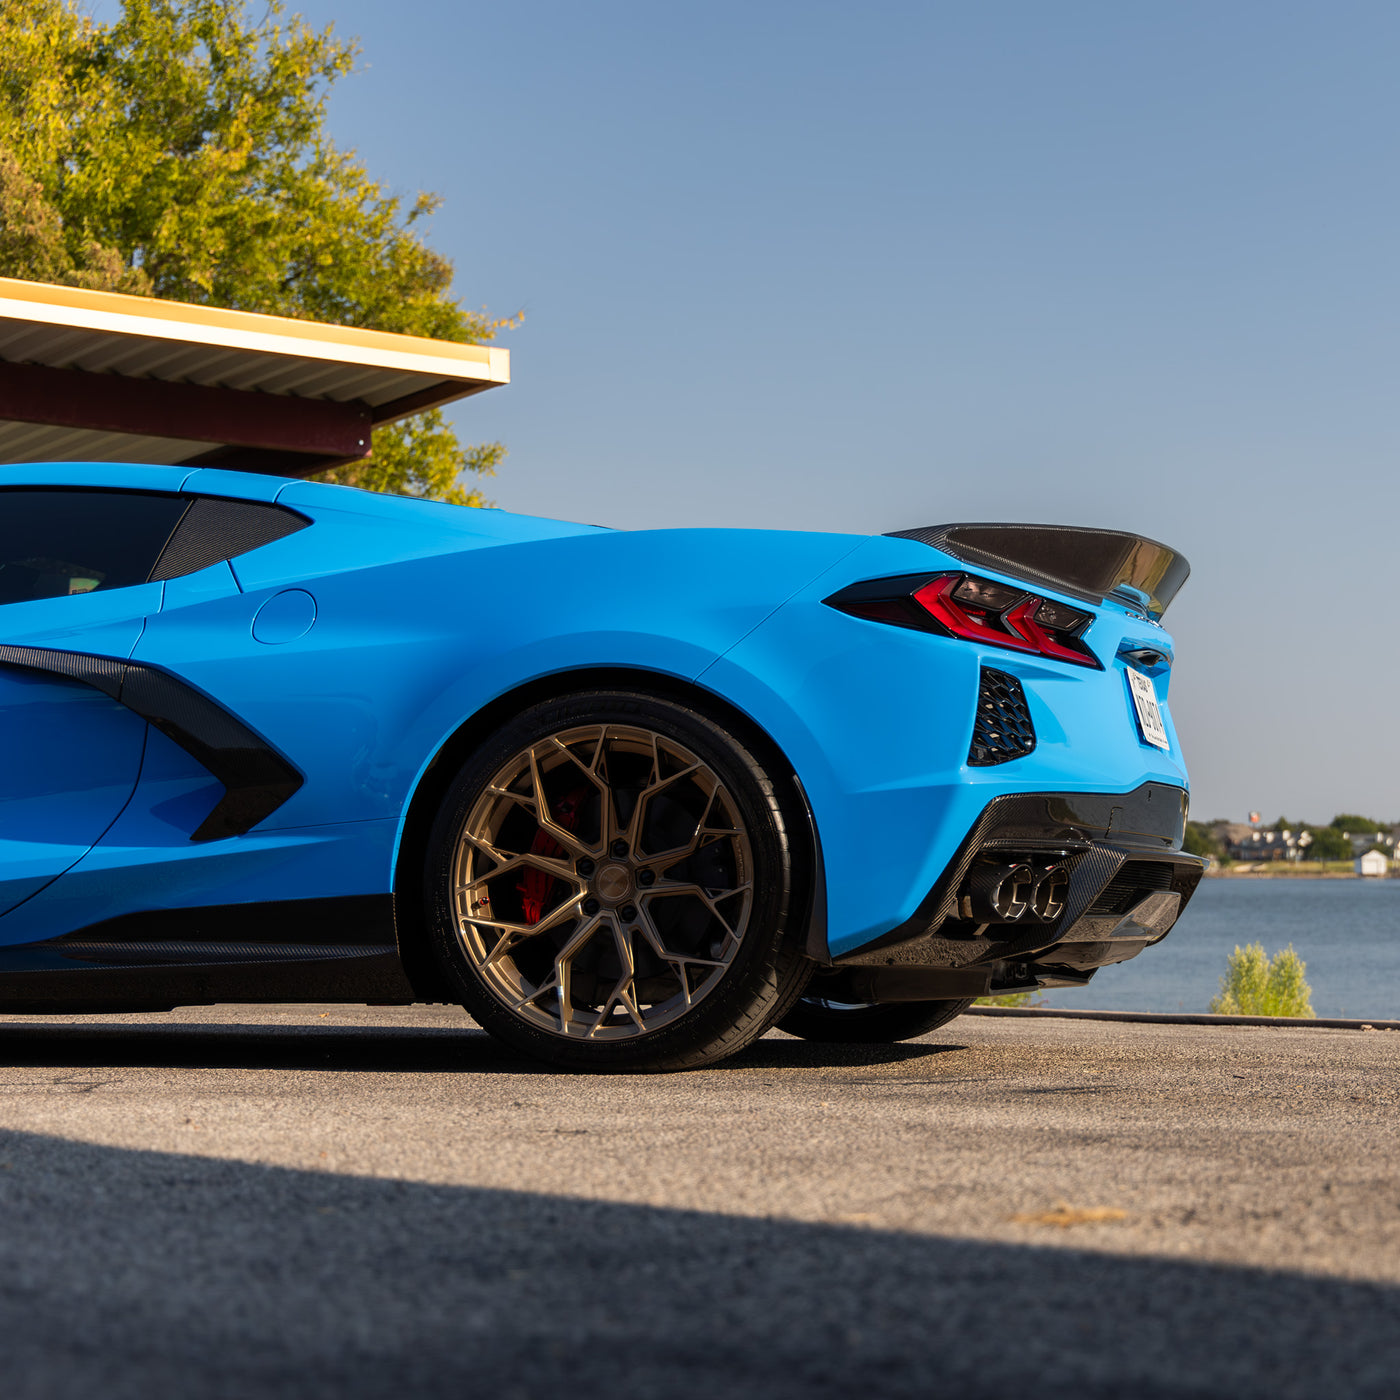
(629, 797)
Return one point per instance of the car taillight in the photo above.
(975, 609)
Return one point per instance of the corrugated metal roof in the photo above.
(37, 442)
(67, 330)
(107, 333)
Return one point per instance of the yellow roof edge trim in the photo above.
(120, 314)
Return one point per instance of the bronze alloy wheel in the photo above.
(604, 886)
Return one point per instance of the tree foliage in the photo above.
(1256, 985)
(1328, 843)
(181, 152)
(1199, 841)
(1349, 821)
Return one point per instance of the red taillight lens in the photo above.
(975, 609)
(965, 618)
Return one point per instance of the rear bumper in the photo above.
(1128, 883)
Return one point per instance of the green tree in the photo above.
(1328, 843)
(1256, 985)
(1200, 842)
(1349, 821)
(181, 151)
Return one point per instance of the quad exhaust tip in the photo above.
(1007, 893)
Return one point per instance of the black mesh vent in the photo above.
(213, 530)
(1003, 730)
(1134, 880)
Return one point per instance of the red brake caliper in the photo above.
(537, 886)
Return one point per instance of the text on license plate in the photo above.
(1148, 711)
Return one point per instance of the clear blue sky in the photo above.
(839, 267)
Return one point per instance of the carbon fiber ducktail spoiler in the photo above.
(1093, 565)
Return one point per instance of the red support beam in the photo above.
(68, 398)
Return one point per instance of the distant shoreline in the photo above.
(1279, 870)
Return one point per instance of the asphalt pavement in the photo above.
(350, 1201)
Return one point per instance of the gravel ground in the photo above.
(349, 1201)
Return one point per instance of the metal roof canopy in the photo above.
(102, 377)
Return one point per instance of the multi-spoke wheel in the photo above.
(610, 879)
(817, 1017)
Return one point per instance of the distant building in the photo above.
(1372, 863)
(1249, 843)
(1231, 834)
(1363, 841)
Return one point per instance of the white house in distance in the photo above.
(1371, 863)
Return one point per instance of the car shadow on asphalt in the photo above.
(785, 1052)
(370, 1049)
(130, 1273)
(375, 1049)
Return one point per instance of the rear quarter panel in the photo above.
(877, 721)
(402, 654)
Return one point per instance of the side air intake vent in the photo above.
(1003, 730)
(213, 530)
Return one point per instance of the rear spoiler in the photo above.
(1093, 565)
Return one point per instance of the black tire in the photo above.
(680, 1010)
(814, 1018)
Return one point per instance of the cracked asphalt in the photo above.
(351, 1201)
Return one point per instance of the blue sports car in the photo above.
(629, 797)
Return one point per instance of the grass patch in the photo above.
(1286, 869)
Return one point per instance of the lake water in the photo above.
(1347, 931)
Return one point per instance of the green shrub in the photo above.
(1254, 985)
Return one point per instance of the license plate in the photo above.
(1148, 711)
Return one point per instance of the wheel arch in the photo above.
(432, 786)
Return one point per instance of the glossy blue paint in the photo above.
(423, 614)
(109, 476)
(69, 755)
(284, 617)
(147, 861)
(241, 486)
(69, 758)
(404, 652)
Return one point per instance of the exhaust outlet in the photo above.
(1050, 892)
(998, 894)
(1006, 894)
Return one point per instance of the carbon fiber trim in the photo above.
(168, 954)
(1078, 939)
(1092, 873)
(103, 673)
(1086, 563)
(213, 530)
(340, 949)
(1093, 832)
(257, 779)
